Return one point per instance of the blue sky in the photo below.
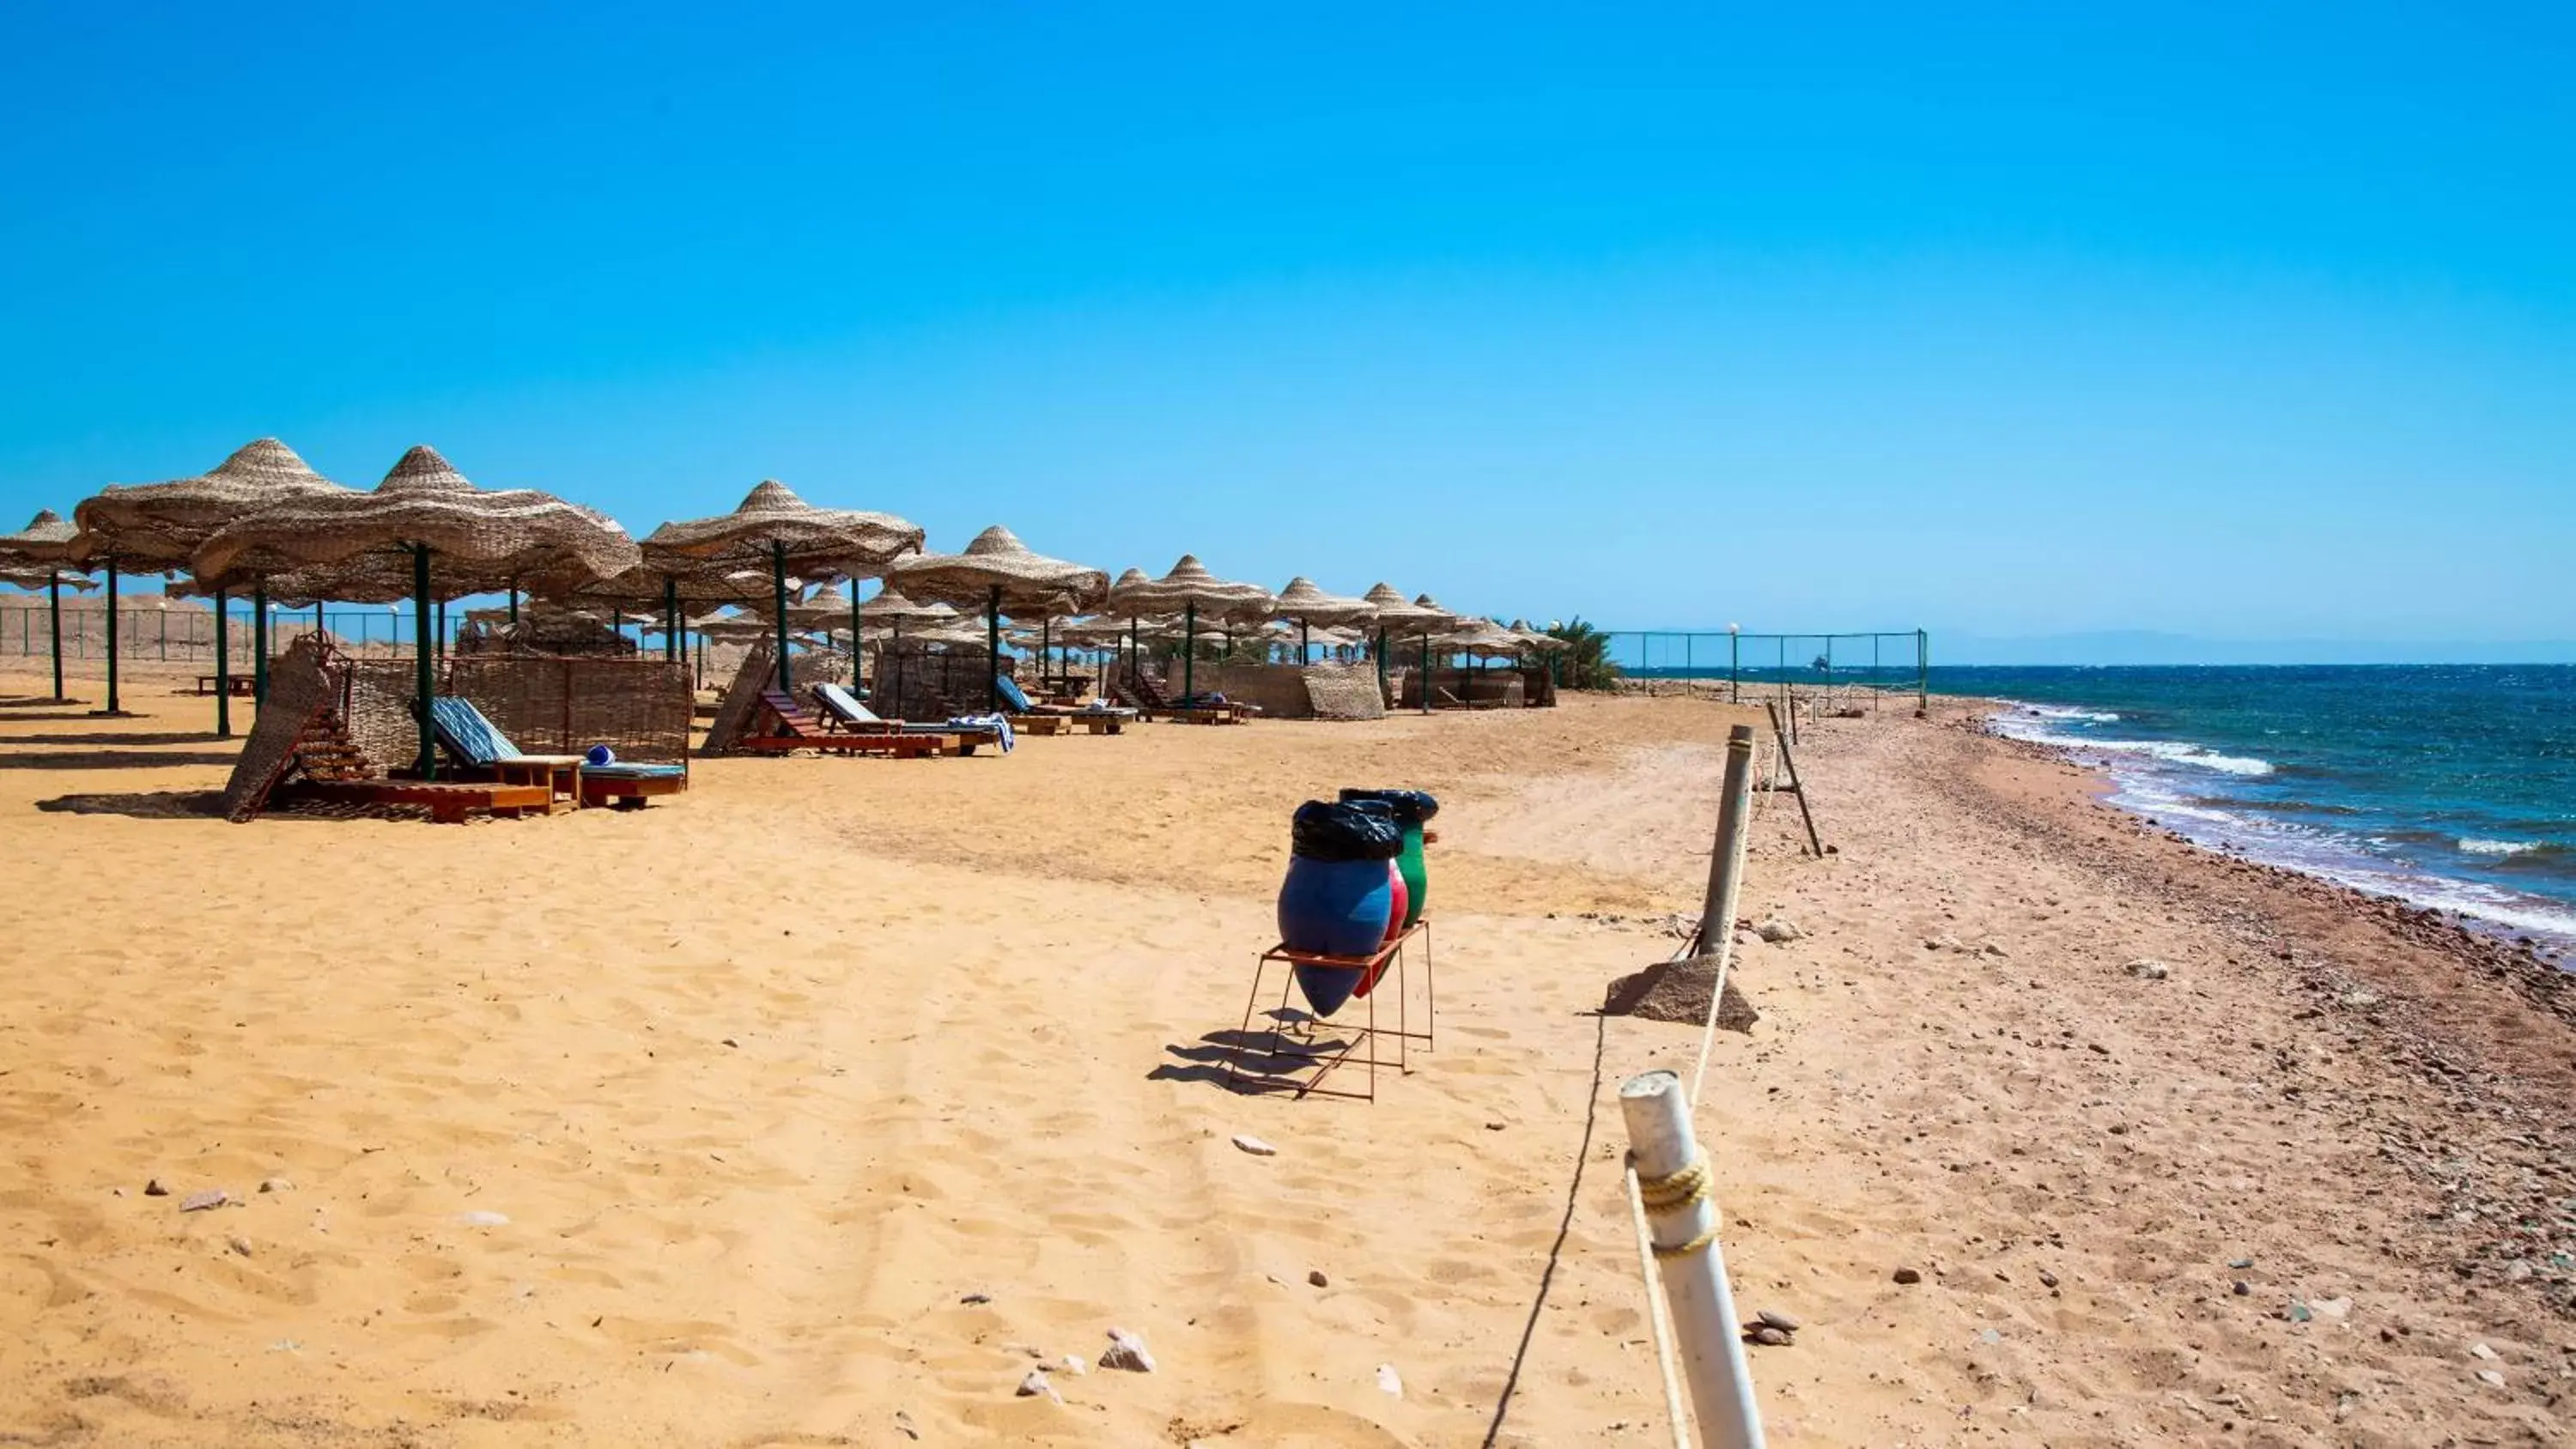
(2006, 320)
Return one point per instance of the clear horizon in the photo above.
(2009, 325)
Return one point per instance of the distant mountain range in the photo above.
(2140, 646)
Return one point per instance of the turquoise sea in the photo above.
(2450, 786)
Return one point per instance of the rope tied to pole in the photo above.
(1683, 1189)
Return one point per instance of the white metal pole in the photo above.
(1694, 1272)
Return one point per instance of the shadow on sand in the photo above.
(190, 737)
(109, 759)
(147, 805)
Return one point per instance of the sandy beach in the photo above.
(819, 1105)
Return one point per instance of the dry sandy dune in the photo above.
(818, 1106)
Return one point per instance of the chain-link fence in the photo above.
(1856, 670)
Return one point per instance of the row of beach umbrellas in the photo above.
(264, 523)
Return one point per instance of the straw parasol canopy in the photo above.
(484, 540)
(1000, 575)
(160, 525)
(43, 543)
(31, 578)
(997, 572)
(1484, 636)
(1302, 601)
(1189, 587)
(1544, 643)
(772, 520)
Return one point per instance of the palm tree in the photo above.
(1587, 659)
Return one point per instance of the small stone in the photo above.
(2358, 999)
(1778, 932)
(1991, 1335)
(2333, 1310)
(238, 1244)
(2480, 1350)
(2240, 1262)
(2047, 1280)
(1318, 1279)
(2491, 1378)
(1493, 1126)
(2299, 1312)
(1387, 1380)
(2241, 1288)
(275, 1184)
(1766, 1334)
(1993, 949)
(1074, 1365)
(1126, 1351)
(1034, 1385)
(973, 1300)
(153, 1188)
(484, 1218)
(1255, 1145)
(2148, 969)
(1909, 1275)
(197, 1202)
(1778, 1320)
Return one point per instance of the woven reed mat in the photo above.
(299, 689)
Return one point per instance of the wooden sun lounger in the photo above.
(799, 730)
(449, 801)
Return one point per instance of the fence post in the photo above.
(1726, 857)
(1922, 672)
(1684, 1224)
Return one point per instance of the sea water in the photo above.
(2448, 786)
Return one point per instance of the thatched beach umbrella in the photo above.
(1192, 591)
(482, 540)
(1309, 606)
(772, 528)
(999, 574)
(1422, 615)
(158, 526)
(38, 551)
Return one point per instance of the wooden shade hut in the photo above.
(1000, 575)
(457, 538)
(774, 529)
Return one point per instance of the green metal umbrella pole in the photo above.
(111, 640)
(421, 664)
(855, 687)
(778, 584)
(1190, 652)
(223, 668)
(259, 645)
(54, 622)
(993, 649)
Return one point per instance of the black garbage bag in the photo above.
(1324, 831)
(1413, 807)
